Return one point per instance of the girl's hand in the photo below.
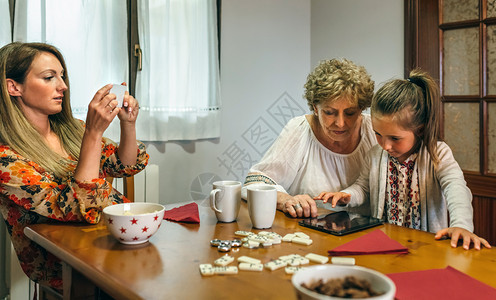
(101, 111)
(129, 110)
(456, 233)
(338, 198)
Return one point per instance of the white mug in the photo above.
(262, 204)
(225, 200)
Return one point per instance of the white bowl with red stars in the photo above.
(133, 223)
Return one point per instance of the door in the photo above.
(456, 42)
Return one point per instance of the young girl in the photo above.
(411, 178)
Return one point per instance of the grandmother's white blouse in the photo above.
(297, 163)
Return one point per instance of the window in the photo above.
(178, 85)
(5, 32)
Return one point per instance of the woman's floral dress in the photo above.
(29, 195)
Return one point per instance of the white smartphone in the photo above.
(119, 91)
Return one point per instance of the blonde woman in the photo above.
(52, 166)
(324, 149)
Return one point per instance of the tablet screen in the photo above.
(340, 223)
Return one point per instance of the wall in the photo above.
(267, 49)
(370, 33)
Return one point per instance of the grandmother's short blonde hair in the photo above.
(333, 79)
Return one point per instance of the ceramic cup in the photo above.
(225, 199)
(262, 204)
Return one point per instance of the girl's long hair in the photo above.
(414, 103)
(16, 131)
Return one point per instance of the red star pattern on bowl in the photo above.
(136, 224)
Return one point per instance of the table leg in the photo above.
(76, 285)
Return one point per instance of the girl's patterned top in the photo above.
(30, 195)
(402, 193)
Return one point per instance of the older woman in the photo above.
(323, 150)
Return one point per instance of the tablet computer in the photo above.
(340, 223)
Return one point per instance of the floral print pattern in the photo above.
(30, 195)
(402, 193)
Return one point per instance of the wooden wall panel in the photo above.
(484, 214)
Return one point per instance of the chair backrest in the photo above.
(128, 189)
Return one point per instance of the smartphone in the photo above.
(119, 91)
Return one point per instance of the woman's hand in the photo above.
(298, 206)
(101, 111)
(338, 198)
(130, 109)
(128, 114)
(456, 233)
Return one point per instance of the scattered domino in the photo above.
(275, 264)
(206, 270)
(286, 257)
(294, 260)
(250, 260)
(291, 270)
(224, 260)
(300, 240)
(266, 244)
(317, 258)
(259, 238)
(303, 260)
(301, 235)
(291, 262)
(251, 267)
(251, 244)
(288, 237)
(226, 270)
(343, 260)
(243, 233)
(263, 232)
(271, 235)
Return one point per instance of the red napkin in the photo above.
(375, 242)
(447, 283)
(187, 213)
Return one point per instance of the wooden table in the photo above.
(167, 266)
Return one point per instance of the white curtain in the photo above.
(178, 87)
(92, 36)
(5, 28)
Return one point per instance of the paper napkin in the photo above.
(447, 283)
(187, 213)
(375, 242)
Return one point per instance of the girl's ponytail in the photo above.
(431, 114)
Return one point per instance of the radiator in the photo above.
(17, 284)
(146, 185)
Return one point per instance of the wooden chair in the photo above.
(128, 186)
(47, 293)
